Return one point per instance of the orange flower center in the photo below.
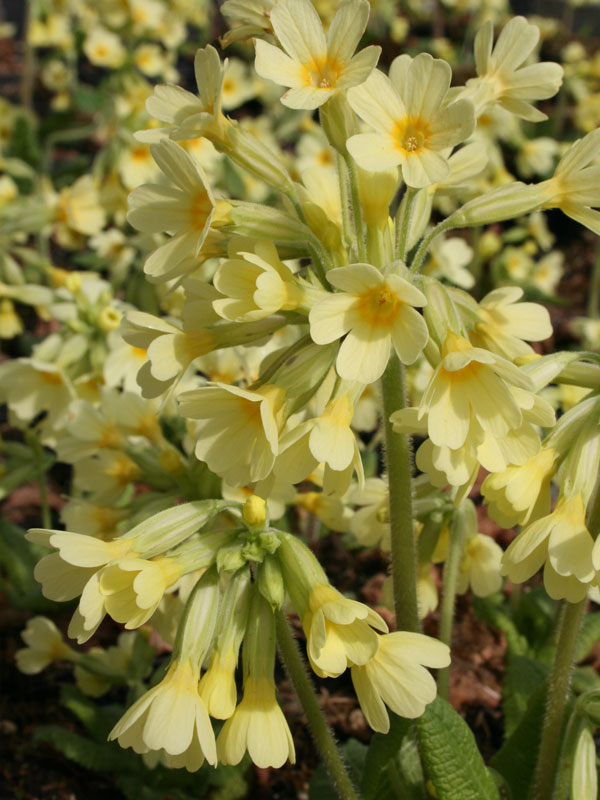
(200, 208)
(379, 307)
(322, 75)
(411, 135)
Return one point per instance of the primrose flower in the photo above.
(575, 187)
(173, 716)
(327, 439)
(128, 575)
(562, 544)
(258, 724)
(254, 282)
(339, 631)
(217, 686)
(415, 125)
(470, 386)
(501, 78)
(189, 115)
(521, 492)
(395, 677)
(253, 418)
(184, 209)
(376, 311)
(505, 325)
(45, 644)
(480, 566)
(316, 67)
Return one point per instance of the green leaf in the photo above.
(18, 558)
(142, 657)
(97, 756)
(491, 610)
(321, 787)
(521, 679)
(535, 617)
(515, 760)
(97, 720)
(585, 679)
(405, 773)
(382, 749)
(589, 635)
(450, 756)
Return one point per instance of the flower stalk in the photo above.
(558, 689)
(399, 457)
(322, 735)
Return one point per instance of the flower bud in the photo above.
(505, 202)
(270, 582)
(254, 511)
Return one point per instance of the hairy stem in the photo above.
(399, 468)
(38, 452)
(451, 567)
(418, 260)
(403, 219)
(356, 210)
(570, 621)
(558, 690)
(322, 735)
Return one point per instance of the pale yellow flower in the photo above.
(104, 48)
(502, 78)
(521, 492)
(254, 282)
(470, 385)
(416, 126)
(505, 325)
(173, 717)
(185, 209)
(316, 67)
(340, 632)
(575, 187)
(257, 726)
(395, 677)
(373, 311)
(562, 544)
(253, 419)
(45, 644)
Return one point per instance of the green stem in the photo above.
(594, 295)
(356, 210)
(570, 621)
(575, 726)
(38, 453)
(296, 669)
(64, 137)
(417, 263)
(344, 199)
(403, 219)
(451, 567)
(321, 261)
(28, 67)
(558, 690)
(399, 469)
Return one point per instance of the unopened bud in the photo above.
(270, 582)
(254, 511)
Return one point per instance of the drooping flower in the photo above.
(184, 209)
(575, 187)
(172, 716)
(258, 725)
(396, 677)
